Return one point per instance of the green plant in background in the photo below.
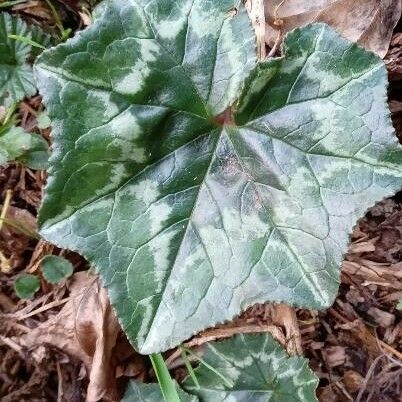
(18, 47)
(29, 149)
(26, 285)
(17, 145)
(55, 268)
(200, 181)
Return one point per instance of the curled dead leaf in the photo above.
(368, 22)
(18, 228)
(87, 329)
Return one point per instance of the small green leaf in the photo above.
(399, 305)
(258, 369)
(140, 392)
(16, 76)
(55, 268)
(26, 285)
(26, 148)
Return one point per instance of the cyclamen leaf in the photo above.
(258, 369)
(139, 392)
(55, 268)
(26, 285)
(246, 368)
(190, 221)
(16, 75)
(27, 148)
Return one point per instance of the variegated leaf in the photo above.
(252, 368)
(191, 214)
(139, 392)
(27, 148)
(16, 75)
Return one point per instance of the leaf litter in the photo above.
(368, 22)
(354, 347)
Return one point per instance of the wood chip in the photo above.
(382, 318)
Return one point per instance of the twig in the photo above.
(278, 22)
(367, 378)
(278, 41)
(6, 205)
(343, 390)
(13, 345)
(391, 350)
(276, 17)
(60, 391)
(48, 306)
(4, 262)
(256, 10)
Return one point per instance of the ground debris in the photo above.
(355, 346)
(368, 22)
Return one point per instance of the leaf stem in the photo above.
(208, 366)
(26, 40)
(189, 368)
(166, 383)
(11, 3)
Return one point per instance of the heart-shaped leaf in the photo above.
(26, 285)
(244, 368)
(252, 368)
(191, 210)
(55, 268)
(16, 76)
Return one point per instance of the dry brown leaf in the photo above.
(353, 381)
(285, 316)
(255, 9)
(394, 58)
(15, 236)
(42, 248)
(382, 318)
(368, 22)
(335, 355)
(87, 329)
